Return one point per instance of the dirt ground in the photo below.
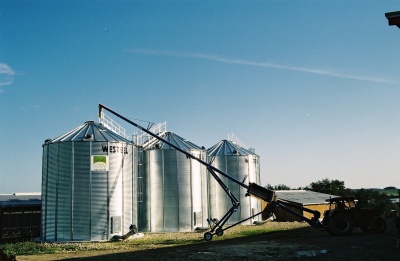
(304, 243)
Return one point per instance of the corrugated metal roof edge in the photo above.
(23, 194)
(219, 145)
(20, 199)
(84, 127)
(188, 145)
(21, 204)
(306, 191)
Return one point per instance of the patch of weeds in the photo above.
(26, 248)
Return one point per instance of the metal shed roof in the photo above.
(393, 18)
(19, 200)
(89, 131)
(304, 197)
(175, 140)
(225, 147)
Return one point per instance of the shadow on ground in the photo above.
(304, 243)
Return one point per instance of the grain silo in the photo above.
(174, 187)
(241, 164)
(88, 185)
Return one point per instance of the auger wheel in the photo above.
(208, 236)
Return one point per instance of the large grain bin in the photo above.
(242, 165)
(174, 187)
(88, 185)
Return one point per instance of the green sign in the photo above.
(99, 163)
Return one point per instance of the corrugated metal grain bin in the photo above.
(174, 187)
(88, 185)
(242, 165)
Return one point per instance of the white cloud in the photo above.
(6, 75)
(261, 64)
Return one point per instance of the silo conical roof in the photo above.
(175, 140)
(90, 131)
(226, 147)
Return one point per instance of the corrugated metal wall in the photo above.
(44, 193)
(174, 192)
(81, 205)
(242, 168)
(20, 222)
(81, 211)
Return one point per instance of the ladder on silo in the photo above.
(144, 139)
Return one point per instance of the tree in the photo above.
(327, 186)
(369, 198)
(278, 187)
(388, 188)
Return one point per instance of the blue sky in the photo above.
(313, 86)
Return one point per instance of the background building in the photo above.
(305, 198)
(393, 18)
(19, 216)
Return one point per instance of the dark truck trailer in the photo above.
(19, 217)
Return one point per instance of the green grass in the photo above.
(149, 241)
(26, 248)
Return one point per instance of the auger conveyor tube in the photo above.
(101, 107)
(252, 188)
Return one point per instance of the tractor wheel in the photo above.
(378, 225)
(341, 224)
(327, 229)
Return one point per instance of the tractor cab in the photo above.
(340, 203)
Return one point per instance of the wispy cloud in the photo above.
(6, 75)
(261, 64)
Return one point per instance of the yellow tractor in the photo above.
(344, 214)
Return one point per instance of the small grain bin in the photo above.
(174, 187)
(88, 185)
(242, 165)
